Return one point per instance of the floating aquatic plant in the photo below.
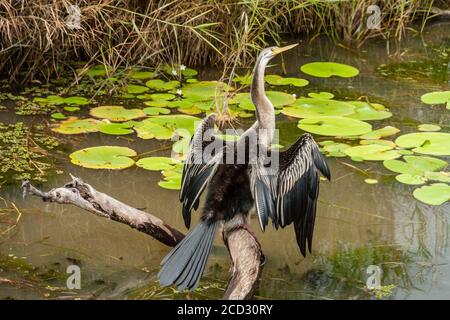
(313, 107)
(141, 75)
(372, 152)
(328, 69)
(57, 100)
(135, 89)
(369, 111)
(437, 97)
(74, 125)
(154, 111)
(415, 169)
(432, 143)
(334, 126)
(380, 133)
(334, 149)
(98, 71)
(204, 90)
(161, 85)
(116, 113)
(156, 163)
(58, 116)
(321, 95)
(116, 128)
(147, 129)
(25, 153)
(104, 157)
(428, 127)
(434, 194)
(277, 80)
(278, 99)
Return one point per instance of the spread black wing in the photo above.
(289, 193)
(198, 168)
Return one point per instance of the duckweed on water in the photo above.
(432, 69)
(348, 270)
(25, 153)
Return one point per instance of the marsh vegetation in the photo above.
(117, 102)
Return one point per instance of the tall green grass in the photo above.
(35, 40)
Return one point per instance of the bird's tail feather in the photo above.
(184, 265)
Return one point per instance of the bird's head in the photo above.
(269, 53)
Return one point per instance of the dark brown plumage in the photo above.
(286, 193)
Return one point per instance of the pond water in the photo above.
(358, 224)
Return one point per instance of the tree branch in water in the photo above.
(242, 244)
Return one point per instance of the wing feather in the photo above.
(291, 192)
(197, 170)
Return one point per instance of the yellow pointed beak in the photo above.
(277, 50)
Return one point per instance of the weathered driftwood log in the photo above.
(247, 257)
(242, 244)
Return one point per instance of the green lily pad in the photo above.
(136, 89)
(312, 107)
(77, 126)
(174, 183)
(432, 143)
(160, 85)
(180, 104)
(76, 100)
(334, 149)
(98, 71)
(380, 133)
(116, 113)
(58, 116)
(244, 80)
(181, 146)
(409, 179)
(328, 69)
(204, 105)
(175, 122)
(156, 163)
(189, 72)
(321, 95)
(192, 111)
(366, 111)
(380, 142)
(157, 103)
(162, 96)
(204, 90)
(437, 176)
(435, 194)
(371, 181)
(57, 100)
(277, 80)
(334, 126)
(278, 99)
(150, 130)
(428, 127)
(154, 111)
(415, 165)
(116, 128)
(104, 157)
(142, 75)
(71, 109)
(372, 152)
(437, 97)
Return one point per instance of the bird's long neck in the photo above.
(265, 112)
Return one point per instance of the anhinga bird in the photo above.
(287, 193)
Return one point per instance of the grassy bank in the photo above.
(36, 40)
